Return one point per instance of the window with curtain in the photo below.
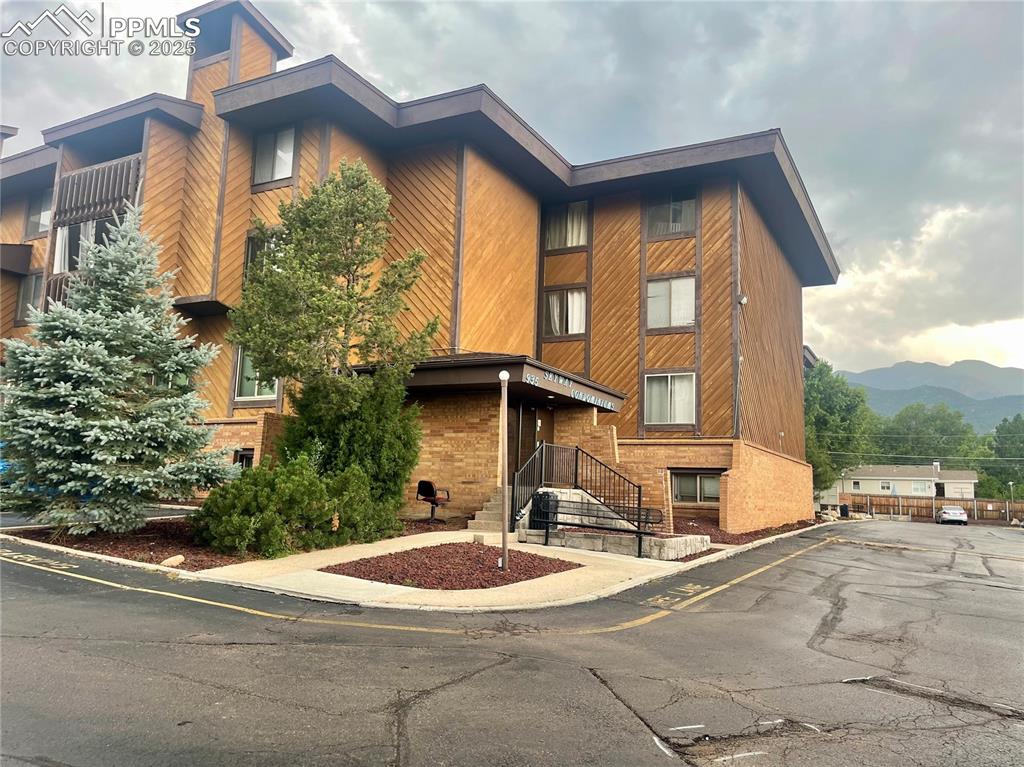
(70, 240)
(273, 155)
(249, 385)
(30, 291)
(673, 214)
(39, 213)
(566, 226)
(695, 488)
(671, 303)
(669, 399)
(565, 312)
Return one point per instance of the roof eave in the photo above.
(187, 114)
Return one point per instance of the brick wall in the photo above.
(258, 433)
(764, 489)
(459, 451)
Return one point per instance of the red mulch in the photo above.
(709, 527)
(451, 566)
(417, 526)
(153, 543)
(698, 555)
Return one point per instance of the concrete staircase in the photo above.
(488, 519)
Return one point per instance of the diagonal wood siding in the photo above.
(499, 261)
(255, 57)
(671, 350)
(164, 190)
(565, 269)
(717, 294)
(345, 146)
(672, 255)
(237, 217)
(308, 139)
(422, 187)
(771, 340)
(565, 355)
(615, 343)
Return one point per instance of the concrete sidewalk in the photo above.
(601, 575)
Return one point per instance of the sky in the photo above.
(906, 121)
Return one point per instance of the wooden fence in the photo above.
(916, 506)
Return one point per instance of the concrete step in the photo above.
(484, 526)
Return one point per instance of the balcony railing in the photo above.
(97, 191)
(57, 289)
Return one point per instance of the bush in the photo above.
(274, 511)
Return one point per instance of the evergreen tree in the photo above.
(101, 414)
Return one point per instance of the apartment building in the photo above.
(648, 308)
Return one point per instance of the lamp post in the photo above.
(503, 452)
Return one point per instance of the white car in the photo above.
(952, 514)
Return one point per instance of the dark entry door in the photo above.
(545, 425)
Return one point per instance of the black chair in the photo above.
(428, 492)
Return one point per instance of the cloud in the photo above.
(906, 121)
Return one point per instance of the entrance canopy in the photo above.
(529, 379)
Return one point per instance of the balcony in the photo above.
(97, 191)
(56, 289)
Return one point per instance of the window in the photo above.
(249, 385)
(30, 291)
(244, 457)
(565, 312)
(254, 253)
(566, 226)
(919, 486)
(695, 488)
(273, 156)
(673, 214)
(856, 484)
(70, 239)
(671, 303)
(885, 486)
(669, 398)
(39, 213)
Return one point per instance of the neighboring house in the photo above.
(648, 307)
(926, 481)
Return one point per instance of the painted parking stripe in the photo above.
(668, 751)
(744, 755)
(688, 727)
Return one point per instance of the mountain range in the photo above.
(984, 393)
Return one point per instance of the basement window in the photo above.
(695, 488)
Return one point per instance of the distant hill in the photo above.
(983, 414)
(971, 378)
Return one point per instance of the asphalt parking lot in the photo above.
(879, 643)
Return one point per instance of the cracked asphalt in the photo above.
(887, 644)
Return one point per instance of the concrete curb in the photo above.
(189, 575)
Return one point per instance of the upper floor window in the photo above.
(248, 384)
(565, 312)
(30, 291)
(672, 215)
(255, 254)
(273, 156)
(70, 239)
(856, 484)
(671, 303)
(39, 213)
(566, 226)
(669, 399)
(885, 486)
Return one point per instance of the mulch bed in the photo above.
(698, 555)
(417, 526)
(153, 543)
(709, 527)
(454, 566)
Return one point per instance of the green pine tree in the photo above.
(101, 413)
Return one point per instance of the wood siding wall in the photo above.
(255, 56)
(672, 255)
(717, 301)
(345, 146)
(771, 339)
(422, 184)
(498, 285)
(565, 355)
(565, 269)
(236, 219)
(12, 231)
(164, 189)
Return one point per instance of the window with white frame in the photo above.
(673, 214)
(565, 226)
(671, 303)
(669, 398)
(856, 484)
(70, 241)
(39, 213)
(885, 486)
(565, 312)
(695, 488)
(273, 155)
(30, 291)
(919, 486)
(248, 384)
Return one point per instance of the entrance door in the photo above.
(545, 425)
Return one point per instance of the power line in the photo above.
(927, 458)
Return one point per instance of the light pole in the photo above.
(503, 452)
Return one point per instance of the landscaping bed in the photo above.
(417, 526)
(454, 566)
(710, 528)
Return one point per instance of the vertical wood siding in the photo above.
(164, 190)
(422, 186)
(771, 340)
(565, 355)
(202, 185)
(615, 344)
(672, 255)
(499, 261)
(717, 296)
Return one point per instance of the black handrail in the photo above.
(560, 466)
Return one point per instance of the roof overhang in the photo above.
(760, 160)
(15, 258)
(128, 117)
(28, 171)
(529, 380)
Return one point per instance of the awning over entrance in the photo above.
(528, 379)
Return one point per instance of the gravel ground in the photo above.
(451, 566)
